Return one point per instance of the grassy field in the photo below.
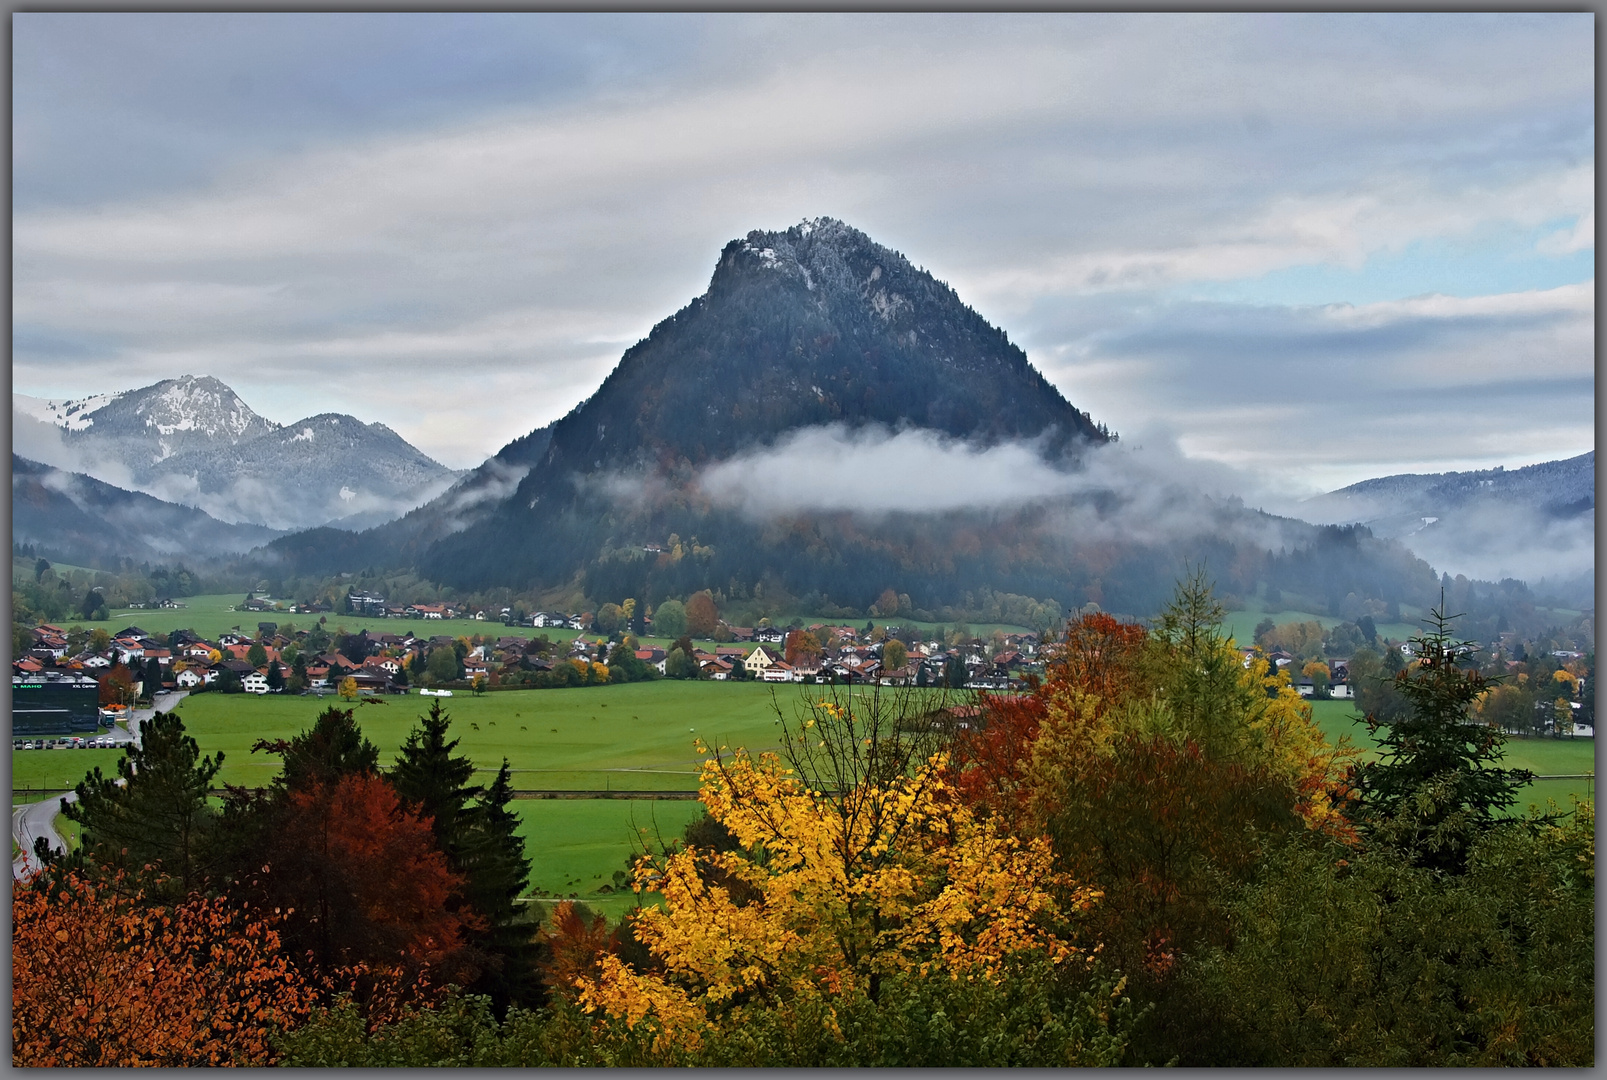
(210, 616)
(636, 736)
(575, 845)
(1542, 756)
(1241, 624)
(55, 769)
(632, 736)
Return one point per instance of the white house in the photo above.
(255, 683)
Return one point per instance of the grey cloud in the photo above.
(42, 442)
(1327, 395)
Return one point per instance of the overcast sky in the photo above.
(1317, 248)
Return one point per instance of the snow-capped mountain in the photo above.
(193, 441)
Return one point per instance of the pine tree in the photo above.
(154, 813)
(333, 747)
(428, 777)
(1436, 785)
(479, 837)
(497, 872)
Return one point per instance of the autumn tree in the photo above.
(1302, 639)
(894, 655)
(117, 686)
(330, 841)
(1319, 674)
(855, 865)
(853, 889)
(363, 876)
(102, 978)
(1159, 766)
(801, 647)
(701, 615)
(1097, 661)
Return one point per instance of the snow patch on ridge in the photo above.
(71, 414)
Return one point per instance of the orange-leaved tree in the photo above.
(101, 979)
(332, 840)
(857, 863)
(1161, 763)
(1097, 662)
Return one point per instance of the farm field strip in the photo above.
(636, 737)
(210, 615)
(584, 737)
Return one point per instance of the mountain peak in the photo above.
(824, 256)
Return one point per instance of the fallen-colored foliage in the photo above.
(100, 980)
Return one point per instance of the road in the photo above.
(163, 702)
(38, 819)
(34, 820)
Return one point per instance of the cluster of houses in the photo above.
(185, 660)
(851, 661)
(1338, 684)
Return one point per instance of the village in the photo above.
(54, 682)
(77, 680)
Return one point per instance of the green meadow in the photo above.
(1542, 756)
(576, 845)
(637, 736)
(1241, 624)
(212, 615)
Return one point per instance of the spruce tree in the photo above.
(154, 813)
(428, 777)
(333, 747)
(1436, 785)
(497, 872)
(479, 836)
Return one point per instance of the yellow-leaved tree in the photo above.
(1161, 768)
(856, 863)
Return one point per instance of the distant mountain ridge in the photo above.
(1560, 487)
(81, 520)
(194, 441)
(1536, 523)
